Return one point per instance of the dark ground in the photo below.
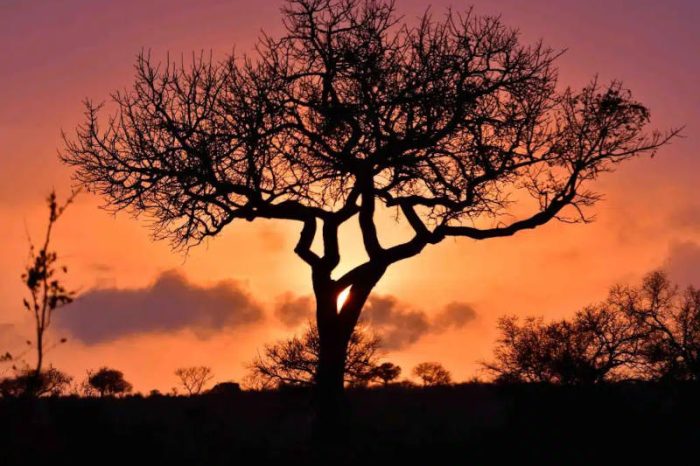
(465, 424)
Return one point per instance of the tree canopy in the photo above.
(442, 119)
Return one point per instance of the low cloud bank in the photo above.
(171, 303)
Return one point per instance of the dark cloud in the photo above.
(683, 263)
(398, 324)
(171, 303)
(455, 315)
(292, 310)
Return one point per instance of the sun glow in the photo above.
(342, 297)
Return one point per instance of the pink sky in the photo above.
(55, 54)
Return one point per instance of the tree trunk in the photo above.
(330, 387)
(330, 373)
(39, 351)
(34, 382)
(334, 330)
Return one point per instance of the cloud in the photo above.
(683, 263)
(171, 303)
(455, 315)
(398, 325)
(395, 321)
(292, 310)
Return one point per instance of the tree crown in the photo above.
(452, 122)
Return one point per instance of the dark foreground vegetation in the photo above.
(461, 424)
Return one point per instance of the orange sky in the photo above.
(54, 54)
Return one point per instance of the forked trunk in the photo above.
(335, 327)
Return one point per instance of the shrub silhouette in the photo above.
(109, 382)
(50, 382)
(194, 379)
(387, 372)
(295, 361)
(432, 374)
(225, 388)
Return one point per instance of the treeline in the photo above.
(105, 382)
(650, 332)
(293, 362)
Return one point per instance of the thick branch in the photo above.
(306, 239)
(536, 220)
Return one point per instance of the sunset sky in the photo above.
(147, 310)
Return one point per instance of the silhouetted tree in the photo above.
(451, 125)
(193, 379)
(432, 374)
(387, 372)
(592, 347)
(50, 382)
(672, 319)
(46, 292)
(295, 361)
(109, 382)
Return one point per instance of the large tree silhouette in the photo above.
(450, 125)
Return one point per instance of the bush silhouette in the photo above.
(295, 361)
(387, 372)
(109, 382)
(225, 388)
(50, 382)
(194, 379)
(432, 374)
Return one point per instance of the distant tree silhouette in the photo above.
(50, 382)
(450, 125)
(592, 347)
(295, 361)
(432, 374)
(672, 319)
(387, 372)
(193, 379)
(46, 291)
(109, 382)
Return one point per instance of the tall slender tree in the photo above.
(450, 125)
(47, 293)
